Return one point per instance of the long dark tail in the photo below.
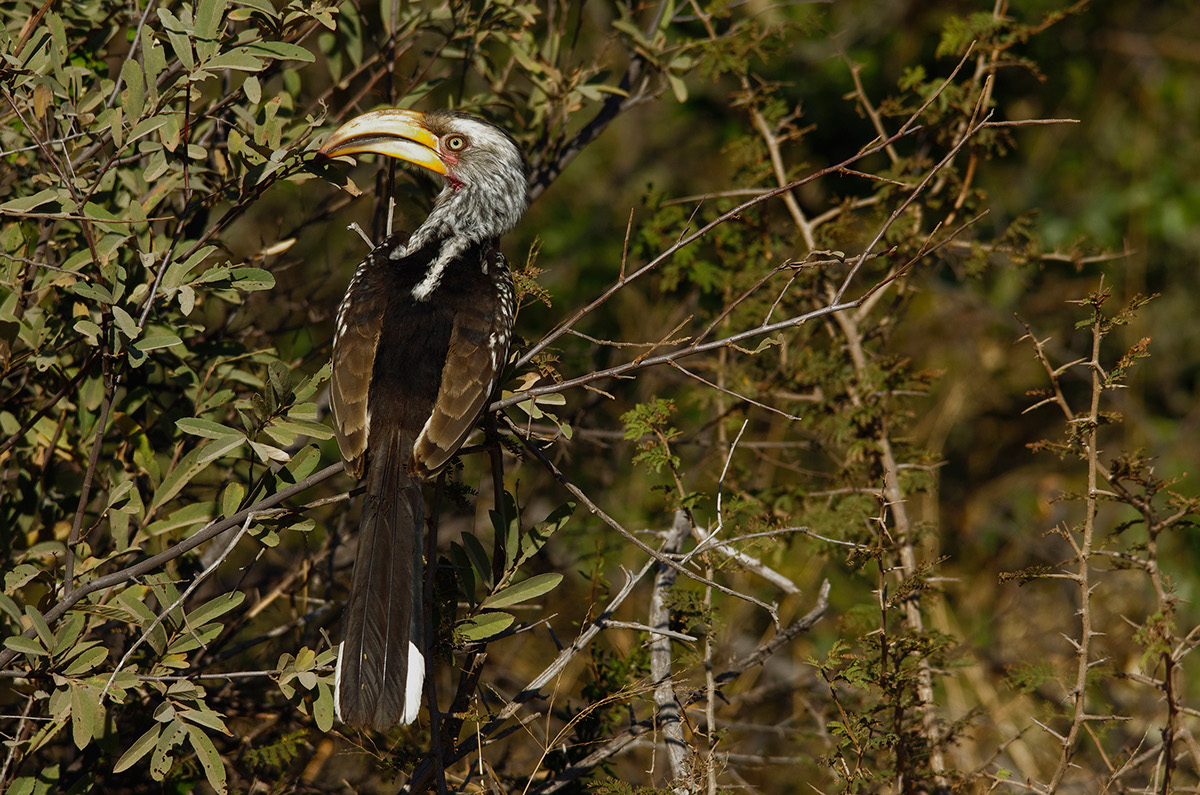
(381, 665)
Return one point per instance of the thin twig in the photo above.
(688, 239)
(771, 609)
(162, 615)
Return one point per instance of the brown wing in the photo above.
(478, 350)
(355, 341)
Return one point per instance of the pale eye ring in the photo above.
(456, 143)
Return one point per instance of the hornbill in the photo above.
(420, 340)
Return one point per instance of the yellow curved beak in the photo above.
(394, 132)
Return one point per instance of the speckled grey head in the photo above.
(484, 169)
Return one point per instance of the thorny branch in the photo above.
(1132, 484)
(666, 703)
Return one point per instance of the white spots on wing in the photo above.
(495, 343)
(340, 328)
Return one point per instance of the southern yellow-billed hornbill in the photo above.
(421, 337)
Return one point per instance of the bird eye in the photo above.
(456, 143)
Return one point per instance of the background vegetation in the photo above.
(845, 441)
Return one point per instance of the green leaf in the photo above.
(141, 746)
(251, 279)
(133, 98)
(267, 452)
(114, 123)
(87, 714)
(307, 389)
(152, 342)
(306, 658)
(187, 299)
(118, 495)
(197, 638)
(220, 447)
(178, 270)
(191, 514)
(304, 463)
(540, 533)
(89, 659)
(210, 760)
(88, 329)
(178, 36)
(678, 87)
(94, 292)
(198, 426)
(25, 645)
(239, 59)
(20, 576)
(253, 89)
(133, 600)
(206, 718)
(484, 626)
(479, 558)
(530, 408)
(291, 428)
(216, 608)
(162, 760)
(154, 61)
(189, 466)
(9, 607)
(39, 623)
(768, 342)
(281, 50)
(218, 398)
(524, 591)
(43, 782)
(323, 708)
(27, 203)
(208, 18)
(464, 570)
(126, 323)
(68, 632)
(231, 498)
(145, 127)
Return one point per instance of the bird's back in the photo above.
(392, 351)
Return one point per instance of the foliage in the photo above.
(840, 532)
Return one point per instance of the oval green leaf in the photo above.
(484, 626)
(524, 590)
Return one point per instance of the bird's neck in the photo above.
(459, 213)
(460, 218)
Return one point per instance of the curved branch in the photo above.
(72, 597)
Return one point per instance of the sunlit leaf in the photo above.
(484, 626)
(525, 590)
